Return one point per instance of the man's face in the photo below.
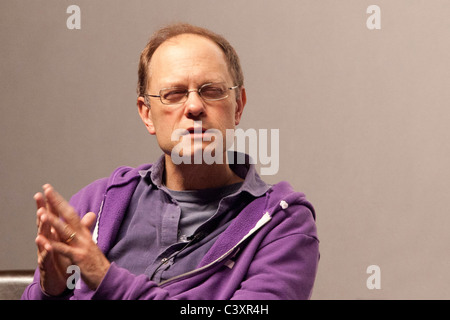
(189, 61)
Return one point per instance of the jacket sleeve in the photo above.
(288, 275)
(120, 284)
(285, 264)
(34, 292)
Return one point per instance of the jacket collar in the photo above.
(252, 184)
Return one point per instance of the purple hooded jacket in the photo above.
(269, 251)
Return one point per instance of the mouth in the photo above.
(194, 130)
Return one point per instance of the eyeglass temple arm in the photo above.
(149, 95)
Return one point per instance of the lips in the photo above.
(193, 130)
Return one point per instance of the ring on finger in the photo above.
(71, 237)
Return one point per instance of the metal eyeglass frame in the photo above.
(199, 91)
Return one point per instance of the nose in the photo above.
(194, 105)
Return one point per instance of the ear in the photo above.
(240, 104)
(145, 114)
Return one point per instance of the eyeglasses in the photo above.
(178, 95)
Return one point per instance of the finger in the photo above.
(61, 207)
(60, 248)
(43, 227)
(52, 247)
(40, 243)
(89, 220)
(40, 202)
(44, 254)
(63, 230)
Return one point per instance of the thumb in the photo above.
(88, 220)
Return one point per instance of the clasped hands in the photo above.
(63, 239)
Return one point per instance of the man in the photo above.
(185, 230)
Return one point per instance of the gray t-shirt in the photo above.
(197, 206)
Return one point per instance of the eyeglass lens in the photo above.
(213, 91)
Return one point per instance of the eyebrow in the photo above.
(180, 84)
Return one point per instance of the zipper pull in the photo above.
(196, 237)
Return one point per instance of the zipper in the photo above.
(261, 222)
(197, 237)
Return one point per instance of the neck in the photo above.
(197, 176)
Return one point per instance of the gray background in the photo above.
(363, 118)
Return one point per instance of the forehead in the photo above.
(188, 57)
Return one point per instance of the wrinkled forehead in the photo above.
(186, 57)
